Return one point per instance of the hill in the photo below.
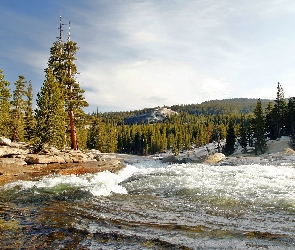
(225, 106)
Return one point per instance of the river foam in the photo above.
(250, 183)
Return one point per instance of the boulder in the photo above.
(169, 159)
(4, 141)
(78, 156)
(44, 159)
(215, 158)
(12, 161)
(6, 151)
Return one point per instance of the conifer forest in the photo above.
(59, 119)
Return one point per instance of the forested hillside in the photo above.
(217, 107)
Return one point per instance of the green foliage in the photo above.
(29, 114)
(243, 134)
(230, 138)
(102, 136)
(291, 116)
(4, 106)
(62, 65)
(50, 114)
(258, 129)
(276, 117)
(18, 105)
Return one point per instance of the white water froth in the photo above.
(250, 183)
(99, 184)
(257, 184)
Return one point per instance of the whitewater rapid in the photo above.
(252, 183)
(151, 205)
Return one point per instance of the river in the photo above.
(151, 205)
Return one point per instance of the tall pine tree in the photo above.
(258, 126)
(279, 113)
(230, 138)
(50, 115)
(4, 106)
(62, 62)
(29, 114)
(61, 75)
(18, 104)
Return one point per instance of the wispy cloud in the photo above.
(139, 53)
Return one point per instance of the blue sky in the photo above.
(147, 53)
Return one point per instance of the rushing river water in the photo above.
(151, 205)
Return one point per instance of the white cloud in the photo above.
(136, 54)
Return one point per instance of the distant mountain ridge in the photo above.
(225, 106)
(212, 107)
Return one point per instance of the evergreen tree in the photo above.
(258, 126)
(243, 134)
(29, 114)
(291, 117)
(279, 113)
(102, 136)
(61, 64)
(270, 122)
(230, 138)
(18, 104)
(4, 106)
(50, 127)
(62, 61)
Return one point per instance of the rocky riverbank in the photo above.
(18, 163)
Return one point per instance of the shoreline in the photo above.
(277, 152)
(30, 172)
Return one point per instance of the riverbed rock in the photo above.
(12, 161)
(44, 159)
(8, 151)
(215, 158)
(5, 141)
(169, 159)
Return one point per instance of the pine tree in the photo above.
(4, 106)
(50, 116)
(270, 122)
(230, 138)
(243, 134)
(62, 64)
(279, 113)
(291, 117)
(62, 61)
(29, 114)
(18, 104)
(258, 126)
(102, 136)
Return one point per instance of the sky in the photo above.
(146, 53)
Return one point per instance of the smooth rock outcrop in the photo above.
(44, 159)
(12, 161)
(8, 151)
(156, 115)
